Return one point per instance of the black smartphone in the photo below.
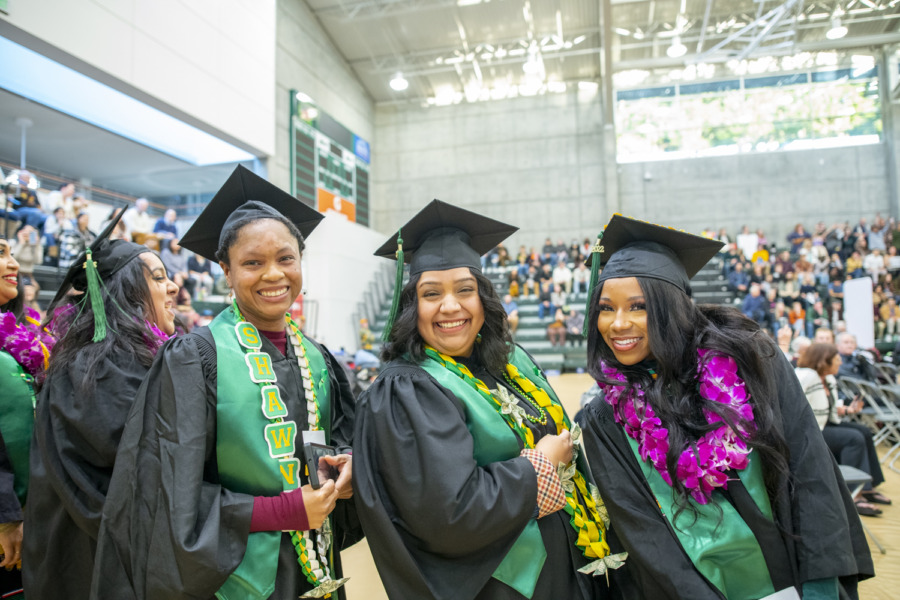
(319, 470)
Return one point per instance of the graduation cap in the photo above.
(244, 197)
(438, 238)
(633, 248)
(101, 260)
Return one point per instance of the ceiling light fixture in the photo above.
(837, 30)
(677, 49)
(399, 83)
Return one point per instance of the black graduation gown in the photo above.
(821, 528)
(437, 524)
(72, 455)
(170, 531)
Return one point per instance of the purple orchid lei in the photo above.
(26, 342)
(701, 468)
(156, 338)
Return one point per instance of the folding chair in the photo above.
(855, 480)
(879, 412)
(888, 372)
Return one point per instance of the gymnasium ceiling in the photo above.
(455, 50)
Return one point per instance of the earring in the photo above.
(477, 338)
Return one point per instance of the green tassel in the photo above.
(96, 295)
(398, 285)
(595, 272)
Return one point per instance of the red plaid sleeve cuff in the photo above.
(550, 494)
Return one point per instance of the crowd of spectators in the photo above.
(53, 229)
(800, 285)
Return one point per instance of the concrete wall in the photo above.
(308, 62)
(534, 162)
(538, 164)
(774, 191)
(212, 59)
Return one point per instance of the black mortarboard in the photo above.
(244, 197)
(440, 237)
(632, 248)
(100, 261)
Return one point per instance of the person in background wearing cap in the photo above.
(112, 333)
(464, 470)
(716, 477)
(24, 350)
(209, 497)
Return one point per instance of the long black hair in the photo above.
(676, 329)
(496, 340)
(126, 328)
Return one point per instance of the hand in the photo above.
(11, 540)
(557, 448)
(855, 406)
(319, 503)
(344, 465)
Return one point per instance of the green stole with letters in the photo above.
(16, 419)
(255, 454)
(494, 441)
(725, 552)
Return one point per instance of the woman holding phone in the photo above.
(209, 496)
(468, 476)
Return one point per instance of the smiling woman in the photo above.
(702, 440)
(110, 331)
(214, 445)
(478, 435)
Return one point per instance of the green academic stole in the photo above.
(725, 552)
(494, 441)
(255, 442)
(16, 419)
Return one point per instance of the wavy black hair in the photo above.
(126, 328)
(496, 340)
(676, 329)
(231, 235)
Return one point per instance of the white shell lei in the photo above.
(319, 566)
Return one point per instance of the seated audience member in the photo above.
(779, 317)
(558, 297)
(512, 312)
(854, 364)
(816, 318)
(797, 317)
(545, 304)
(756, 307)
(28, 249)
(874, 265)
(853, 266)
(562, 276)
(797, 237)
(574, 327)
(74, 241)
(513, 289)
(783, 337)
(176, 261)
(138, 221)
(581, 277)
(823, 335)
(738, 280)
(556, 331)
(200, 270)
(835, 313)
(788, 288)
(62, 198)
(851, 443)
(165, 226)
(54, 226)
(747, 242)
(889, 314)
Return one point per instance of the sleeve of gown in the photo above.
(169, 532)
(418, 454)
(10, 509)
(830, 541)
(77, 435)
